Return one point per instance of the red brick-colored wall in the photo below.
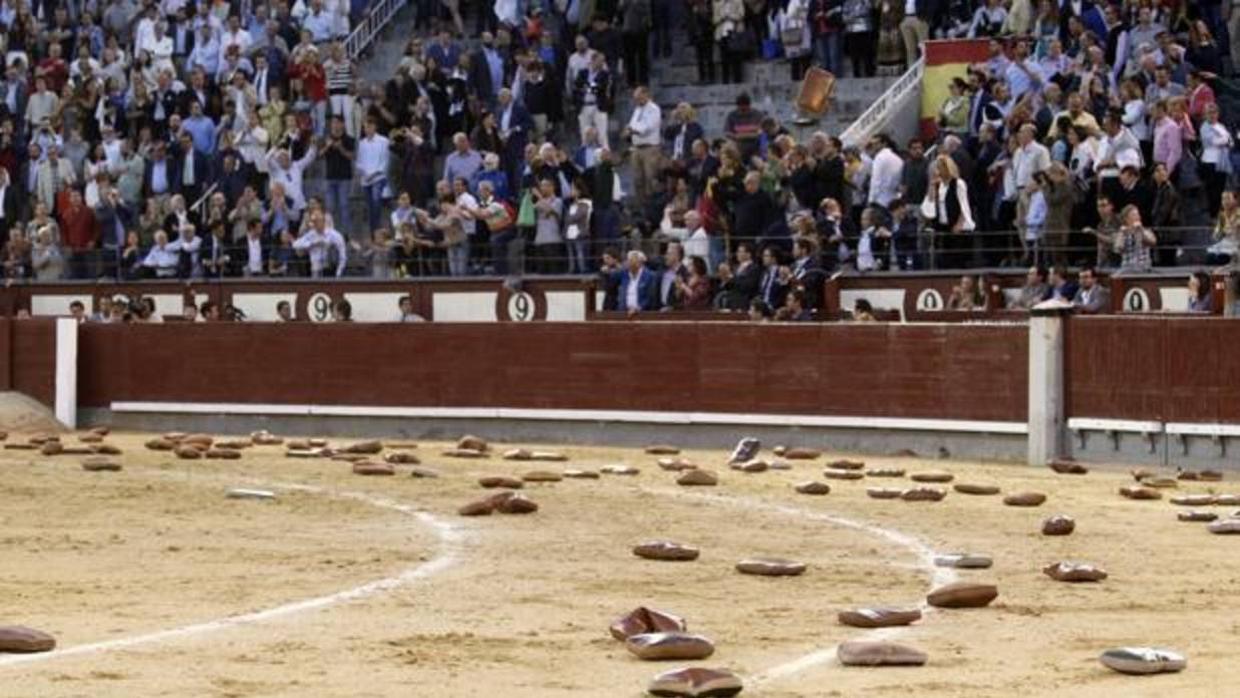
(29, 358)
(1165, 369)
(932, 371)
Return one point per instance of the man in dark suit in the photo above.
(157, 178)
(807, 269)
(742, 282)
(192, 173)
(774, 285)
(13, 94)
(515, 125)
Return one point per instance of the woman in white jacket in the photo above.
(1216, 143)
(947, 211)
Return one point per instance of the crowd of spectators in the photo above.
(193, 139)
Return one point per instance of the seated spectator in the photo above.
(45, 258)
(795, 308)
(966, 295)
(740, 284)
(1226, 231)
(406, 310)
(862, 311)
(1062, 287)
(1092, 297)
(694, 292)
(1034, 291)
(1200, 296)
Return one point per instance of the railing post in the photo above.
(1046, 413)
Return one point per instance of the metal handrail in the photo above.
(875, 118)
(205, 195)
(363, 35)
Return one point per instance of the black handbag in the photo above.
(742, 42)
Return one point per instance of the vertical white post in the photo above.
(1046, 384)
(66, 371)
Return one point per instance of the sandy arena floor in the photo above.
(519, 605)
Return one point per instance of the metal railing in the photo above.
(888, 104)
(926, 252)
(363, 35)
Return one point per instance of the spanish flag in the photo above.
(946, 59)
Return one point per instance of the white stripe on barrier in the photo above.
(633, 416)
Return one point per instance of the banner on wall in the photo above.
(946, 59)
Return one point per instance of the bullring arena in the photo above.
(328, 547)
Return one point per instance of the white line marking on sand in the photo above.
(925, 555)
(449, 535)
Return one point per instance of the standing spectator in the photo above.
(635, 28)
(915, 27)
(319, 242)
(946, 208)
(887, 170)
(702, 35)
(373, 151)
(45, 257)
(859, 37)
(463, 162)
(593, 96)
(339, 72)
(548, 238)
(577, 229)
(729, 20)
(827, 27)
(744, 126)
(638, 285)
(339, 151)
(77, 223)
(1216, 144)
(645, 131)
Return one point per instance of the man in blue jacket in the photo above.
(638, 285)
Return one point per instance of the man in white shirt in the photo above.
(886, 171)
(163, 259)
(289, 173)
(234, 35)
(1030, 158)
(256, 255)
(578, 61)
(372, 167)
(645, 130)
(318, 241)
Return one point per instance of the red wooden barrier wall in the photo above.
(1164, 369)
(925, 371)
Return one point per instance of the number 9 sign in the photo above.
(520, 306)
(319, 307)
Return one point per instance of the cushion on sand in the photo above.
(19, 638)
(975, 489)
(923, 494)
(963, 595)
(494, 481)
(845, 464)
(836, 474)
(885, 472)
(698, 478)
(372, 468)
(674, 645)
(1068, 467)
(963, 561)
(1194, 500)
(516, 504)
(1197, 516)
(1225, 527)
(472, 443)
(646, 620)
(1024, 499)
(1058, 525)
(879, 653)
(542, 476)
(665, 550)
(695, 682)
(1143, 660)
(770, 567)
(883, 492)
(1074, 572)
(97, 464)
(676, 464)
(1139, 492)
(662, 450)
(879, 617)
(800, 454)
(932, 476)
(746, 450)
(813, 487)
(619, 470)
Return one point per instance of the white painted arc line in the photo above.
(448, 534)
(925, 554)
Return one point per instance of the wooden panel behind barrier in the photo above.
(864, 370)
(1175, 369)
(33, 359)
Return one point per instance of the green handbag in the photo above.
(525, 216)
